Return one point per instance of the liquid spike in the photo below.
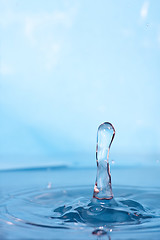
(103, 186)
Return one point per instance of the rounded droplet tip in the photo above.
(106, 125)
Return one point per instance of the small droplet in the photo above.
(49, 185)
(113, 162)
(99, 232)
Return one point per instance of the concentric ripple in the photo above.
(73, 209)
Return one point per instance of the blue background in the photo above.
(66, 67)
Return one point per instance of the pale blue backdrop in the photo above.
(67, 66)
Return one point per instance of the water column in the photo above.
(103, 187)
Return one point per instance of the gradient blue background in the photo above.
(67, 66)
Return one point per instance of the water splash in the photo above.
(103, 186)
(103, 208)
(72, 209)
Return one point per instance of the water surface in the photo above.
(38, 205)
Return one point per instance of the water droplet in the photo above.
(105, 136)
(113, 162)
(99, 232)
(49, 185)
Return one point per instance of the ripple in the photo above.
(66, 209)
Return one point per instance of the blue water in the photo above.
(57, 204)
